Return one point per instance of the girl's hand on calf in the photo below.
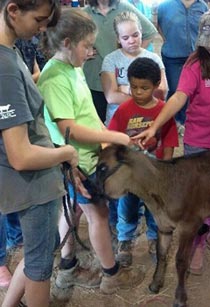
(123, 139)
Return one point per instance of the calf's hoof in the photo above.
(154, 288)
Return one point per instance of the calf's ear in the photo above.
(122, 153)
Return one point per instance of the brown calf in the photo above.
(177, 192)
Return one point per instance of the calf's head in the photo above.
(114, 170)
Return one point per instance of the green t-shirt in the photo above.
(67, 96)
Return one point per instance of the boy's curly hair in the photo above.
(145, 68)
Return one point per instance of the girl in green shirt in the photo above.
(69, 104)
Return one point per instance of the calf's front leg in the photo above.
(163, 244)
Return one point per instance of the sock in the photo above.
(66, 264)
(112, 271)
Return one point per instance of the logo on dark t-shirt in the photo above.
(5, 113)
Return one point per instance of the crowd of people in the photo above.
(97, 74)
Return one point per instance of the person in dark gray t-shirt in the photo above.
(30, 178)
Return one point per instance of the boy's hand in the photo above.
(124, 89)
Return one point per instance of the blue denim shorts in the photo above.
(189, 150)
(80, 198)
(39, 225)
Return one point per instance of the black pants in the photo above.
(100, 103)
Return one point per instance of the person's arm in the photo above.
(145, 42)
(87, 135)
(160, 10)
(154, 12)
(161, 33)
(111, 90)
(36, 71)
(162, 90)
(174, 104)
(23, 155)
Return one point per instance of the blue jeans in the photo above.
(113, 217)
(10, 234)
(173, 67)
(2, 240)
(129, 207)
(111, 109)
(13, 230)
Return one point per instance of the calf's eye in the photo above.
(101, 169)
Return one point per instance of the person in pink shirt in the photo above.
(194, 83)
